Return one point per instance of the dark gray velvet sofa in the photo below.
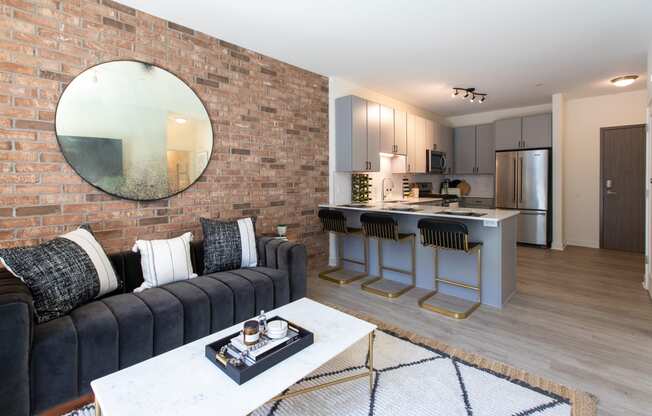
(43, 365)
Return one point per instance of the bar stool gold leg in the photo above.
(450, 312)
(389, 288)
(340, 275)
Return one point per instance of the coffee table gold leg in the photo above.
(98, 410)
(371, 361)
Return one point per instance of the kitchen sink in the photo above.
(464, 213)
(357, 205)
(405, 209)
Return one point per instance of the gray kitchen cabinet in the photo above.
(411, 141)
(537, 131)
(464, 150)
(373, 136)
(400, 132)
(474, 150)
(446, 146)
(418, 161)
(485, 151)
(387, 130)
(354, 152)
(529, 132)
(432, 136)
(508, 134)
(476, 202)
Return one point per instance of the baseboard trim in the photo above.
(583, 243)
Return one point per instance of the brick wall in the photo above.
(270, 122)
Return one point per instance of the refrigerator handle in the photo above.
(515, 180)
(520, 176)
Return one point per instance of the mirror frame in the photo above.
(210, 155)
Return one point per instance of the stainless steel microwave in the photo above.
(436, 161)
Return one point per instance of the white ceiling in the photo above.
(417, 50)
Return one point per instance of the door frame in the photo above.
(601, 204)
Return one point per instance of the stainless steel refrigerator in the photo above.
(522, 182)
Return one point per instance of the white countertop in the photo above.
(429, 210)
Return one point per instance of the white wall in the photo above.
(558, 137)
(583, 118)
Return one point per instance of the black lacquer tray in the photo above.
(244, 373)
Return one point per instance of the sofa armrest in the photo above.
(285, 255)
(16, 330)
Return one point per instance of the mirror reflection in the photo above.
(134, 130)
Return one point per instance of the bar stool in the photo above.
(335, 222)
(450, 235)
(384, 227)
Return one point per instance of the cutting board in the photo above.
(464, 187)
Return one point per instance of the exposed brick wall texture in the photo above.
(270, 122)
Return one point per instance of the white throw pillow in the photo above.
(164, 261)
(248, 243)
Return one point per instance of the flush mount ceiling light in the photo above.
(180, 120)
(624, 80)
(470, 94)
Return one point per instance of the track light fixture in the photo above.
(471, 94)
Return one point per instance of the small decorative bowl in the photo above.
(277, 329)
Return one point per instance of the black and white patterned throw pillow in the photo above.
(63, 273)
(228, 245)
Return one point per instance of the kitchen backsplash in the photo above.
(482, 186)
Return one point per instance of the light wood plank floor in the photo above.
(580, 317)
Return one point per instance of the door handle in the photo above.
(515, 174)
(520, 194)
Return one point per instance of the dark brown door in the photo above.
(622, 188)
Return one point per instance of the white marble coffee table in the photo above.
(184, 381)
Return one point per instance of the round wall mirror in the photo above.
(134, 130)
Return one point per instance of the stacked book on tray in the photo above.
(263, 348)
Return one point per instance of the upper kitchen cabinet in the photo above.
(400, 132)
(474, 150)
(417, 161)
(508, 133)
(465, 148)
(529, 132)
(537, 131)
(357, 141)
(485, 150)
(387, 134)
(432, 135)
(446, 145)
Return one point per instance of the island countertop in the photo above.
(413, 208)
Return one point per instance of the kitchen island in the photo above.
(494, 228)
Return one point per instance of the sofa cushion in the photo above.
(228, 245)
(63, 273)
(164, 261)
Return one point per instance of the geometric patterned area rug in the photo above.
(419, 376)
(415, 379)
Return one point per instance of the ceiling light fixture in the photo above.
(624, 80)
(180, 120)
(471, 94)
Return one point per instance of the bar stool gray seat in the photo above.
(450, 235)
(383, 227)
(335, 222)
